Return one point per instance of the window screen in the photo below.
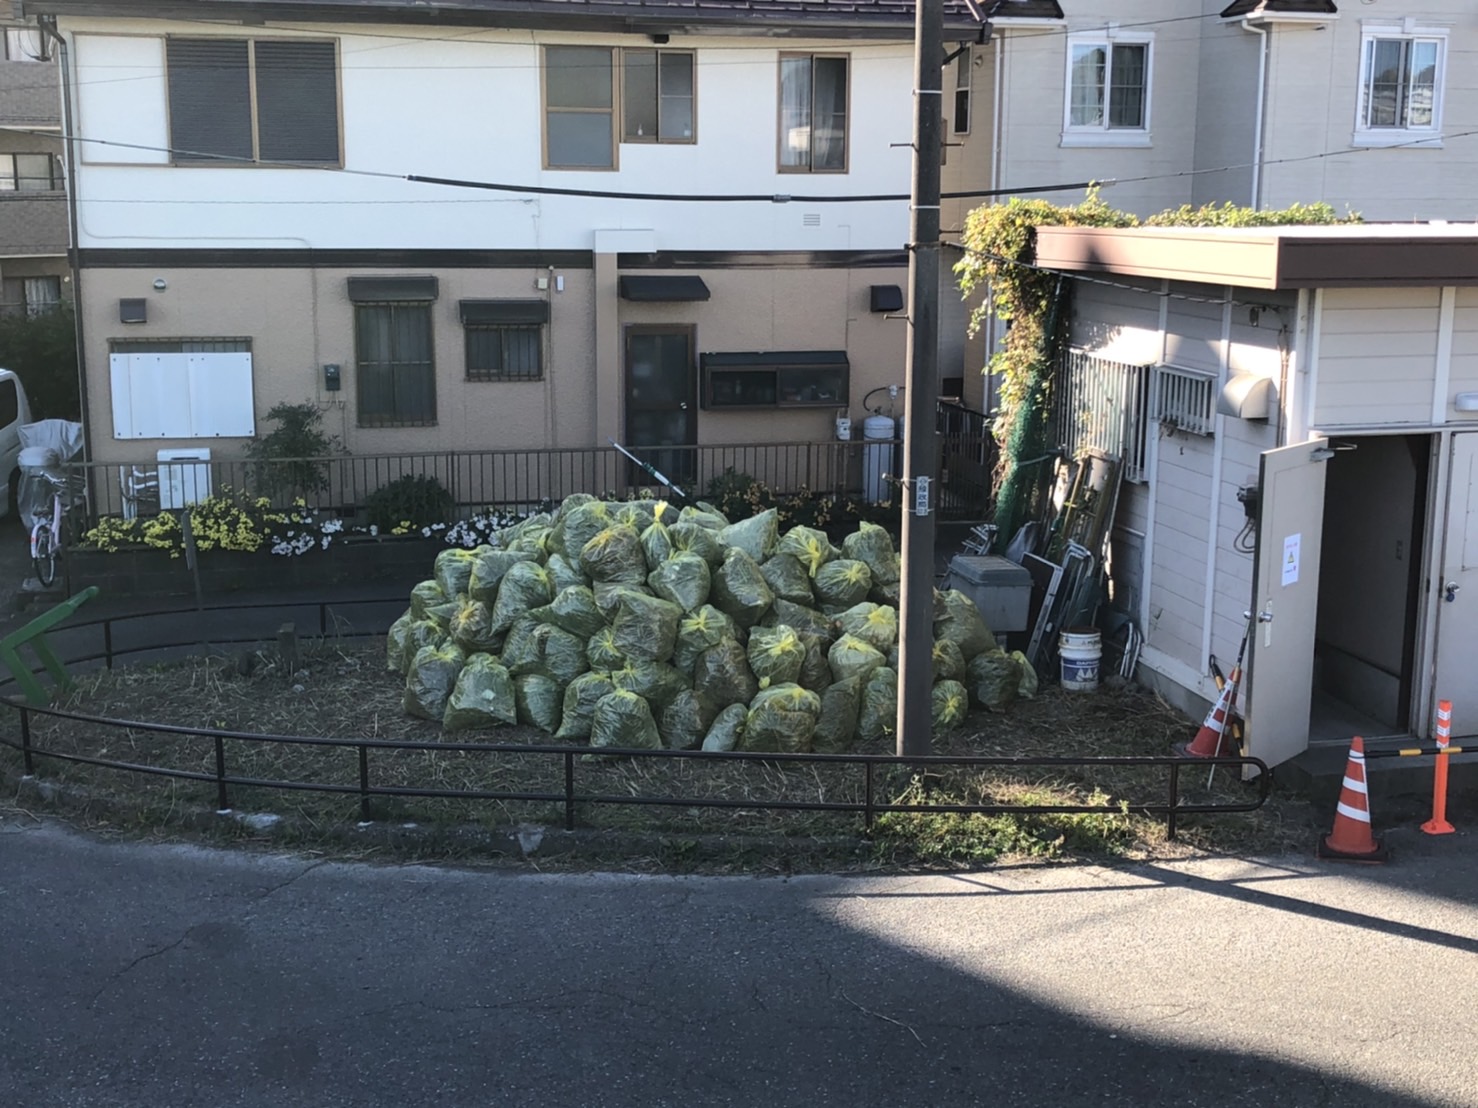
(297, 102)
(209, 99)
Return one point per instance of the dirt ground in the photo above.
(342, 690)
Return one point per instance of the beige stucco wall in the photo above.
(300, 319)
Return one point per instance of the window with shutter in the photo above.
(253, 100)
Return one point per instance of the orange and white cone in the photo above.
(1351, 840)
(1213, 733)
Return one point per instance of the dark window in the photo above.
(212, 117)
(813, 113)
(396, 369)
(795, 379)
(504, 353)
(30, 296)
(962, 91)
(180, 346)
(10, 406)
(657, 104)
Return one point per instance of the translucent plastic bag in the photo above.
(453, 570)
(483, 696)
(949, 663)
(775, 655)
(782, 719)
(432, 676)
(722, 675)
(683, 579)
(525, 586)
(878, 717)
(602, 652)
(577, 526)
(540, 701)
(581, 697)
(808, 546)
(740, 590)
(727, 731)
(788, 579)
(873, 546)
(851, 657)
(645, 627)
(841, 583)
(534, 647)
(995, 679)
(693, 538)
(472, 628)
(806, 621)
(657, 682)
(656, 544)
(836, 724)
(962, 624)
(756, 536)
(948, 705)
(615, 555)
(874, 624)
(425, 596)
(684, 722)
(488, 569)
(624, 720)
(572, 610)
(698, 631)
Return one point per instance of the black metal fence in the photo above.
(99, 641)
(519, 480)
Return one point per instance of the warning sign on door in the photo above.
(1290, 559)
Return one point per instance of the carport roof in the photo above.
(1370, 255)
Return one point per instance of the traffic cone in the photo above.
(1351, 839)
(1210, 739)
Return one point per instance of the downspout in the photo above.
(48, 27)
(1265, 34)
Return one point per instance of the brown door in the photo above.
(662, 402)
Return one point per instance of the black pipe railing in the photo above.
(569, 797)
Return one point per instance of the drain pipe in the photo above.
(1264, 48)
(48, 28)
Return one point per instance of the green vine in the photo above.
(1000, 244)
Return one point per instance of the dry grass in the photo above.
(343, 691)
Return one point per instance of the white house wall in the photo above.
(1378, 351)
(1463, 369)
(1226, 110)
(1314, 78)
(1194, 586)
(480, 119)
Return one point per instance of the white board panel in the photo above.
(121, 98)
(161, 395)
(221, 395)
(118, 371)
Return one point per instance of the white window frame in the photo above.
(1103, 134)
(1408, 30)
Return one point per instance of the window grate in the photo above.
(1185, 400)
(1102, 405)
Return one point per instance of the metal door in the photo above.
(1457, 624)
(1285, 588)
(661, 400)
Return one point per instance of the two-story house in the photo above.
(492, 225)
(34, 274)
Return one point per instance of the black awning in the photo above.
(886, 298)
(368, 290)
(663, 288)
(493, 313)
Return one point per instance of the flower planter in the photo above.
(398, 561)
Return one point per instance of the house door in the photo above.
(1457, 627)
(661, 402)
(1285, 588)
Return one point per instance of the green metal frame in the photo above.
(34, 635)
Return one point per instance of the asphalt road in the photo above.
(162, 975)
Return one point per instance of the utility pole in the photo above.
(915, 648)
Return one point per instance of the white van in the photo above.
(15, 409)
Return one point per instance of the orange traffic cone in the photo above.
(1212, 736)
(1351, 839)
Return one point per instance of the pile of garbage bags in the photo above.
(639, 624)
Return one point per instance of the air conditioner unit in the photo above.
(184, 476)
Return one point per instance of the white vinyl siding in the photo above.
(1464, 367)
(1377, 357)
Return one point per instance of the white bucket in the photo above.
(1081, 650)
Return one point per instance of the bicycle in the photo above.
(47, 538)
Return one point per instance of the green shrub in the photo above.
(418, 501)
(288, 459)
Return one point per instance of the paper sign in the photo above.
(1290, 559)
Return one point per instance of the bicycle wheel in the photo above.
(43, 554)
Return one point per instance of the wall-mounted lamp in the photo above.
(160, 283)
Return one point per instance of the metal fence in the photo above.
(1103, 405)
(100, 641)
(520, 480)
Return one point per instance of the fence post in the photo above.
(364, 793)
(108, 643)
(1174, 800)
(223, 802)
(569, 790)
(867, 798)
(26, 742)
